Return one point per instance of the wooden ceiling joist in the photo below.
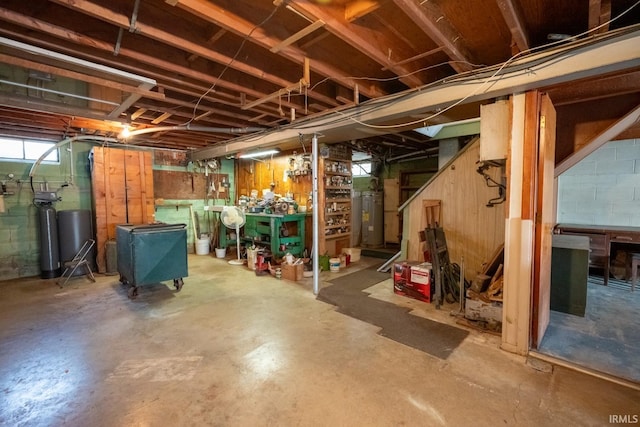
(602, 138)
(599, 14)
(512, 15)
(142, 58)
(359, 8)
(359, 38)
(243, 28)
(161, 118)
(428, 16)
(297, 36)
(138, 113)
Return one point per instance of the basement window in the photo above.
(16, 149)
(361, 169)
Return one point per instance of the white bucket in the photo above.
(221, 252)
(334, 265)
(202, 246)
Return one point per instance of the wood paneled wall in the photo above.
(258, 174)
(472, 229)
(122, 185)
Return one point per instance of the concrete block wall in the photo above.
(19, 224)
(604, 188)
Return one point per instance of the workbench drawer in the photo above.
(625, 237)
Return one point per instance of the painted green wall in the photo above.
(19, 237)
(19, 226)
(393, 171)
(205, 220)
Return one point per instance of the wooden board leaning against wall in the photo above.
(122, 185)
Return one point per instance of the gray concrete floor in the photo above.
(235, 349)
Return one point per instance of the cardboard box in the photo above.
(292, 272)
(421, 273)
(401, 271)
(403, 285)
(414, 290)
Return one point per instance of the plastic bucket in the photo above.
(221, 252)
(334, 265)
(202, 246)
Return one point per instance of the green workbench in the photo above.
(269, 230)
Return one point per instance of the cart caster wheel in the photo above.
(178, 284)
(124, 281)
(132, 292)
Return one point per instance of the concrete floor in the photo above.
(607, 338)
(235, 349)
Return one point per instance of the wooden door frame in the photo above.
(544, 128)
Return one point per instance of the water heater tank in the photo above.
(75, 228)
(49, 252)
(372, 219)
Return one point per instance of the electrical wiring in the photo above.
(226, 67)
(494, 75)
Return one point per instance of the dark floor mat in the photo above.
(437, 339)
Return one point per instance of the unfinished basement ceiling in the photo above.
(261, 64)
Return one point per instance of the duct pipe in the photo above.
(139, 132)
(195, 129)
(316, 220)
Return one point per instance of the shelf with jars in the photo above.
(335, 203)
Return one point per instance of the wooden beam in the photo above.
(140, 57)
(361, 39)
(237, 25)
(593, 89)
(359, 8)
(161, 118)
(258, 118)
(415, 58)
(599, 13)
(138, 113)
(428, 16)
(214, 38)
(168, 37)
(297, 36)
(303, 82)
(512, 15)
(202, 116)
(276, 94)
(605, 136)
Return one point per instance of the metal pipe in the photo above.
(316, 222)
(134, 17)
(68, 141)
(195, 129)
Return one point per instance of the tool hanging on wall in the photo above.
(491, 183)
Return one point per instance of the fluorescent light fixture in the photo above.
(258, 154)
